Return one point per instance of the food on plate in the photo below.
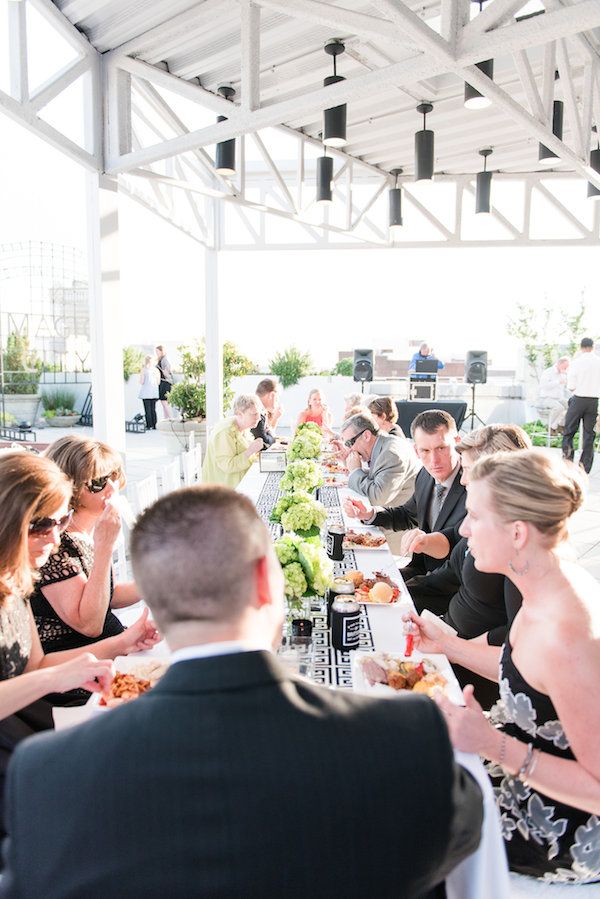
(356, 577)
(364, 539)
(127, 686)
(381, 592)
(400, 674)
(385, 589)
(333, 466)
(335, 481)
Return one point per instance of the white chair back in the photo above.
(121, 568)
(191, 440)
(145, 492)
(198, 453)
(170, 477)
(188, 466)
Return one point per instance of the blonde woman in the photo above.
(544, 758)
(317, 410)
(385, 412)
(231, 449)
(74, 597)
(148, 392)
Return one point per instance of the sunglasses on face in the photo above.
(97, 485)
(43, 526)
(352, 440)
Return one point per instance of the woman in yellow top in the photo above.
(231, 449)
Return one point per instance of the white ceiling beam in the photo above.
(495, 13)
(408, 22)
(134, 194)
(454, 16)
(337, 18)
(27, 118)
(59, 82)
(566, 213)
(548, 79)
(287, 197)
(566, 79)
(412, 200)
(529, 84)
(250, 50)
(588, 105)
(496, 214)
(62, 26)
(17, 50)
(191, 199)
(458, 207)
(371, 202)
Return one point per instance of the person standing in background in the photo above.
(425, 352)
(148, 392)
(553, 390)
(166, 381)
(268, 395)
(583, 380)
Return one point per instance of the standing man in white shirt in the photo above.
(554, 393)
(583, 381)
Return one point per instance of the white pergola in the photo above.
(151, 70)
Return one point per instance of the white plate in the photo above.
(125, 665)
(361, 685)
(366, 549)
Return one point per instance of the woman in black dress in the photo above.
(543, 753)
(73, 599)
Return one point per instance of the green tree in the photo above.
(133, 359)
(22, 365)
(343, 367)
(573, 327)
(189, 396)
(535, 328)
(290, 366)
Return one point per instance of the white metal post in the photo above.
(214, 348)
(105, 310)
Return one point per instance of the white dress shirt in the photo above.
(209, 650)
(584, 375)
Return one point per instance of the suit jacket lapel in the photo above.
(454, 494)
(425, 503)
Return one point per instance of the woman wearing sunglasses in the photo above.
(73, 600)
(34, 498)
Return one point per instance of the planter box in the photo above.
(24, 406)
(62, 421)
(177, 434)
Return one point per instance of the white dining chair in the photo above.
(198, 454)
(170, 477)
(188, 466)
(144, 493)
(120, 565)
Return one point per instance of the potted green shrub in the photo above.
(58, 408)
(21, 377)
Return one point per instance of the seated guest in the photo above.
(353, 404)
(74, 596)
(317, 411)
(34, 498)
(229, 760)
(266, 392)
(392, 466)
(231, 449)
(438, 500)
(553, 392)
(544, 755)
(480, 604)
(385, 412)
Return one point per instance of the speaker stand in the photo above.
(472, 414)
(362, 387)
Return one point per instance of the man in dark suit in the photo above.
(438, 502)
(232, 778)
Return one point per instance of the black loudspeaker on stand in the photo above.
(363, 367)
(475, 373)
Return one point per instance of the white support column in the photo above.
(214, 347)
(105, 314)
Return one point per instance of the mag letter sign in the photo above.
(272, 460)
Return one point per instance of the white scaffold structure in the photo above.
(153, 74)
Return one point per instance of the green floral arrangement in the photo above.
(302, 474)
(305, 445)
(306, 567)
(301, 513)
(309, 426)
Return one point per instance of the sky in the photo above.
(323, 302)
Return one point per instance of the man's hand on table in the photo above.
(413, 541)
(355, 508)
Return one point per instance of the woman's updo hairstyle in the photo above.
(533, 487)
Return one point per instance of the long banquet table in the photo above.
(484, 873)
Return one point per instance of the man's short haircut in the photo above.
(587, 343)
(563, 359)
(193, 554)
(361, 422)
(267, 385)
(431, 421)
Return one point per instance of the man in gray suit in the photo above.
(392, 463)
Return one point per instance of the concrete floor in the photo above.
(147, 452)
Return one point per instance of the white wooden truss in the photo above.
(151, 71)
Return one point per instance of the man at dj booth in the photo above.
(425, 354)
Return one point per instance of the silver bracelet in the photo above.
(526, 762)
(502, 753)
(531, 767)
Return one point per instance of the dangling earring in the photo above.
(519, 571)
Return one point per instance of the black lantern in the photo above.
(424, 147)
(324, 179)
(395, 204)
(484, 185)
(473, 99)
(334, 119)
(225, 156)
(545, 155)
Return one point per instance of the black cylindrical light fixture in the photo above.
(395, 204)
(424, 147)
(324, 179)
(592, 190)
(225, 155)
(334, 119)
(473, 99)
(546, 156)
(484, 185)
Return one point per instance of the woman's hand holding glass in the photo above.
(141, 635)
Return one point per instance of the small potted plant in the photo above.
(58, 409)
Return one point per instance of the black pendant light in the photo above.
(546, 156)
(334, 119)
(424, 147)
(592, 191)
(225, 156)
(395, 204)
(484, 185)
(473, 99)
(324, 179)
